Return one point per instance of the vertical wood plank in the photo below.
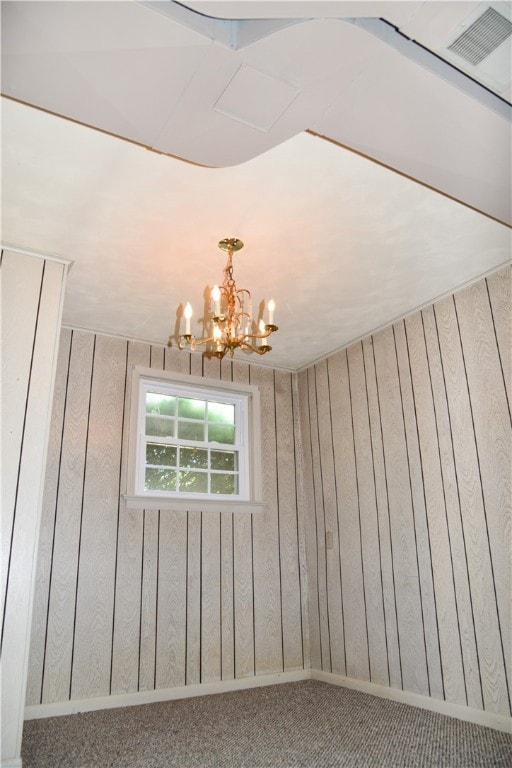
(176, 360)
(24, 518)
(125, 656)
(354, 598)
(211, 368)
(481, 580)
(148, 599)
(330, 508)
(300, 473)
(243, 575)
(227, 596)
(244, 607)
(308, 516)
(193, 602)
(226, 369)
(171, 607)
(387, 568)
(423, 549)
(436, 508)
(93, 624)
(210, 598)
(267, 594)
(410, 620)
(491, 422)
(318, 511)
(61, 608)
(370, 540)
(196, 365)
(456, 534)
(46, 536)
(157, 357)
(20, 301)
(127, 607)
(499, 287)
(288, 534)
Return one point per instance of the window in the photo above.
(191, 441)
(192, 444)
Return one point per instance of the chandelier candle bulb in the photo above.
(271, 308)
(217, 334)
(216, 299)
(188, 315)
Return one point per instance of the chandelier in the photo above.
(230, 324)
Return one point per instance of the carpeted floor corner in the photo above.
(296, 725)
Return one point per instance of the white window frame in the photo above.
(246, 399)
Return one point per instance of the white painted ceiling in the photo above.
(237, 101)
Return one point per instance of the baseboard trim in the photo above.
(477, 716)
(75, 706)
(11, 762)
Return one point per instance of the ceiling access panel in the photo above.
(308, 65)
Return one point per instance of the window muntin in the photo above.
(192, 442)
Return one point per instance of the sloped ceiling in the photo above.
(226, 91)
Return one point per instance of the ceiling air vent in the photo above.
(479, 40)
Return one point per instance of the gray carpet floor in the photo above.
(297, 725)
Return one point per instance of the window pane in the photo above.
(189, 430)
(196, 458)
(191, 409)
(194, 482)
(221, 412)
(158, 426)
(224, 484)
(160, 454)
(193, 443)
(163, 404)
(221, 433)
(160, 479)
(227, 460)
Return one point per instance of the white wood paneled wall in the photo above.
(407, 466)
(137, 600)
(31, 299)
(397, 448)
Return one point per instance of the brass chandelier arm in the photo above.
(260, 350)
(190, 339)
(268, 328)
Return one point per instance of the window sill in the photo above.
(193, 505)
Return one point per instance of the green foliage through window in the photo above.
(190, 445)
